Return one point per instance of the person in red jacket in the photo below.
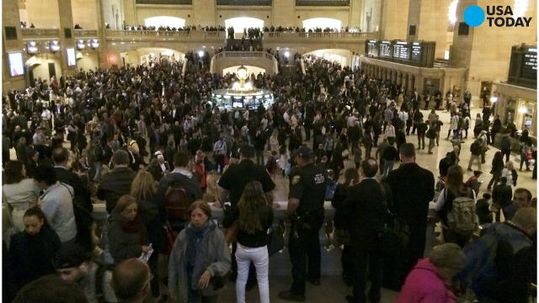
(429, 281)
(199, 169)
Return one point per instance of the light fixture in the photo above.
(81, 44)
(54, 46)
(242, 73)
(94, 43)
(200, 53)
(31, 47)
(493, 99)
(287, 54)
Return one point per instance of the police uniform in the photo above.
(308, 184)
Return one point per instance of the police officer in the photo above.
(306, 211)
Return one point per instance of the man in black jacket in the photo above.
(60, 156)
(364, 204)
(82, 196)
(117, 182)
(412, 188)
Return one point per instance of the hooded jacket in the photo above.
(424, 285)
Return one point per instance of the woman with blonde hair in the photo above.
(153, 215)
(212, 190)
(254, 217)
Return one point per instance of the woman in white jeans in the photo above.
(253, 218)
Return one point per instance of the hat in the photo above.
(303, 151)
(70, 255)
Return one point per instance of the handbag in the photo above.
(170, 238)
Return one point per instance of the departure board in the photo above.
(372, 48)
(529, 64)
(412, 53)
(385, 49)
(416, 52)
(523, 65)
(401, 51)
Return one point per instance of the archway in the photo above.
(322, 23)
(341, 56)
(240, 23)
(149, 54)
(250, 70)
(164, 21)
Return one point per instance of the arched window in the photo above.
(239, 23)
(322, 23)
(164, 21)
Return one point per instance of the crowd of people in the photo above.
(148, 142)
(252, 32)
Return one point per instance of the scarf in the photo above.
(196, 252)
(131, 227)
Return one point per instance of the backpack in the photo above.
(475, 148)
(177, 203)
(462, 218)
(491, 262)
(83, 216)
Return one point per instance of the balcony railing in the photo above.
(233, 54)
(165, 35)
(338, 36)
(84, 33)
(322, 2)
(40, 33)
(207, 36)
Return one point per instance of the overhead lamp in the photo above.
(287, 54)
(94, 43)
(81, 44)
(54, 46)
(31, 47)
(493, 99)
(200, 53)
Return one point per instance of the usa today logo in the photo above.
(496, 16)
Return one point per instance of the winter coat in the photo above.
(217, 262)
(424, 285)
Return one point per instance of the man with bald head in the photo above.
(131, 281)
(365, 206)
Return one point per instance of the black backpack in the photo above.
(83, 216)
